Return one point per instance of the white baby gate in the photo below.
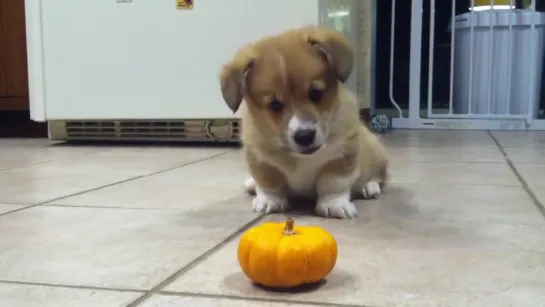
(495, 69)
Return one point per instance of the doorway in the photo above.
(14, 94)
(401, 53)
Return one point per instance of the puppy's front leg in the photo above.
(333, 187)
(269, 186)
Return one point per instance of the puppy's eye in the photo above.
(315, 95)
(276, 105)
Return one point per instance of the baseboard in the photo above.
(365, 115)
(18, 124)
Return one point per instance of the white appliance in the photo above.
(145, 70)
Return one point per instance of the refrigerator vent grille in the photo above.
(213, 130)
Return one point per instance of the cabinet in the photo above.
(13, 56)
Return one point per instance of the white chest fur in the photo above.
(301, 179)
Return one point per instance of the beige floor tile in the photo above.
(115, 248)
(533, 174)
(16, 157)
(177, 301)
(539, 192)
(213, 183)
(438, 139)
(400, 262)
(458, 203)
(43, 182)
(452, 154)
(15, 295)
(519, 139)
(234, 154)
(4, 208)
(452, 173)
(175, 153)
(526, 154)
(454, 227)
(442, 146)
(26, 143)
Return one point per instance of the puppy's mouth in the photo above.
(309, 150)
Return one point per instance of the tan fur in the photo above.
(284, 67)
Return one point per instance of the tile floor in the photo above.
(462, 224)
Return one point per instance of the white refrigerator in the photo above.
(147, 69)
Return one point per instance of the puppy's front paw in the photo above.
(371, 190)
(249, 186)
(265, 203)
(336, 207)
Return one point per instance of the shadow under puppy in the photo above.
(301, 131)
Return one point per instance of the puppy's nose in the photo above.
(304, 137)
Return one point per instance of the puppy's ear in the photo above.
(234, 77)
(334, 47)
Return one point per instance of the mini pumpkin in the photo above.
(281, 255)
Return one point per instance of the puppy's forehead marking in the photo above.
(286, 68)
(303, 69)
(296, 123)
(319, 84)
(282, 67)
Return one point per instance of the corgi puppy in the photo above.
(301, 132)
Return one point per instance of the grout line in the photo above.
(227, 152)
(439, 184)
(73, 194)
(536, 162)
(20, 209)
(523, 182)
(129, 179)
(182, 294)
(195, 262)
(111, 207)
(41, 284)
(15, 210)
(14, 204)
(414, 161)
(258, 299)
(447, 161)
(25, 165)
(109, 185)
(52, 160)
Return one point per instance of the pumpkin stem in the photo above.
(288, 230)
